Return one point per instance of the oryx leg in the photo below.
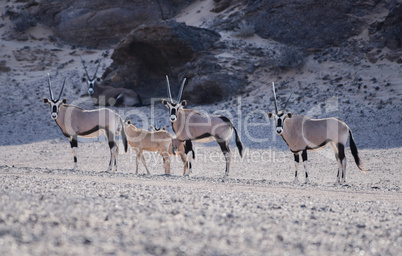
(166, 162)
(188, 147)
(336, 151)
(184, 159)
(74, 147)
(114, 151)
(304, 157)
(342, 161)
(297, 159)
(141, 155)
(228, 156)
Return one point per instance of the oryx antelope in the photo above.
(302, 133)
(108, 95)
(77, 122)
(190, 125)
(154, 141)
(179, 149)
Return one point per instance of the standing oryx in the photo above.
(302, 133)
(108, 95)
(190, 125)
(75, 121)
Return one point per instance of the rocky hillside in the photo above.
(220, 44)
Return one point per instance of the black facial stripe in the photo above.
(54, 110)
(173, 111)
(279, 124)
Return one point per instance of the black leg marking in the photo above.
(75, 159)
(188, 146)
(112, 144)
(304, 155)
(297, 159)
(341, 150)
(74, 142)
(226, 152)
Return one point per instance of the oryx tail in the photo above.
(355, 153)
(124, 136)
(239, 144)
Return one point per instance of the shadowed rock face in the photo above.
(388, 32)
(308, 24)
(101, 23)
(150, 52)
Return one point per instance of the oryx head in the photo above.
(90, 81)
(54, 104)
(280, 116)
(174, 106)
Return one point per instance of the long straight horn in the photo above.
(168, 87)
(181, 90)
(85, 68)
(96, 71)
(276, 104)
(62, 88)
(284, 108)
(50, 86)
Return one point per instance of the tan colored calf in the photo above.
(154, 141)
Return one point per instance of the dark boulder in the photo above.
(150, 52)
(100, 23)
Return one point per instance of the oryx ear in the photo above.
(64, 101)
(45, 100)
(165, 102)
(270, 115)
(98, 79)
(183, 103)
(128, 121)
(164, 128)
(84, 79)
(289, 115)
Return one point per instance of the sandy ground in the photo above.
(48, 209)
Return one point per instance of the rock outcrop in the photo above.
(150, 52)
(100, 23)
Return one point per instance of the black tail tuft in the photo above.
(355, 153)
(239, 144)
(124, 136)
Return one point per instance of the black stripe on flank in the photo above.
(319, 146)
(202, 136)
(95, 129)
(308, 148)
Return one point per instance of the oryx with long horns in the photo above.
(76, 122)
(190, 125)
(302, 133)
(108, 95)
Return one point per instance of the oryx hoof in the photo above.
(307, 181)
(296, 180)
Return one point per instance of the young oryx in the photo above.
(302, 133)
(190, 125)
(75, 121)
(179, 149)
(108, 95)
(154, 141)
